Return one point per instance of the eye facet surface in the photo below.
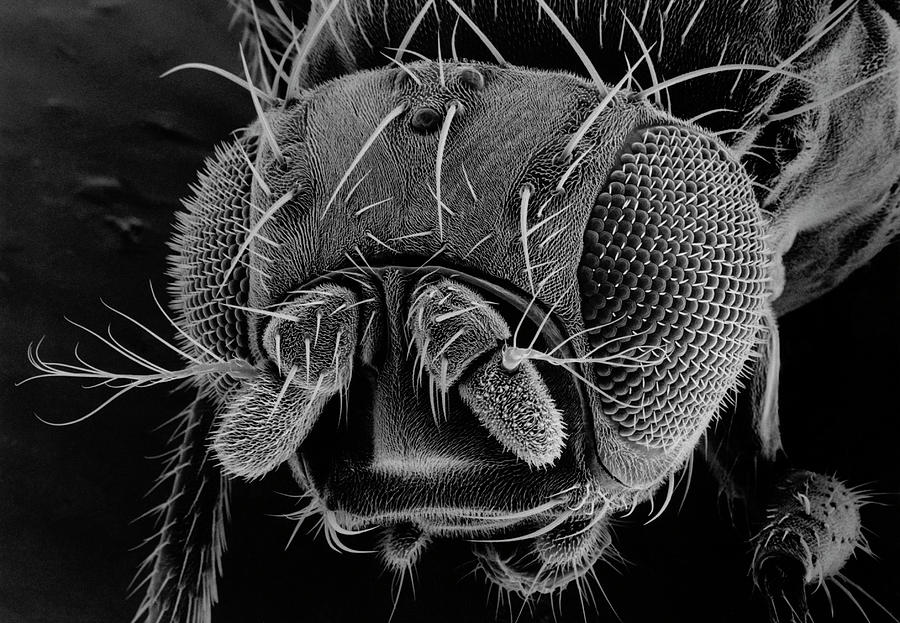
(673, 279)
(210, 279)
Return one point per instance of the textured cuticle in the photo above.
(516, 409)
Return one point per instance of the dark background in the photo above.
(94, 152)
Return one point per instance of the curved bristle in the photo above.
(317, 337)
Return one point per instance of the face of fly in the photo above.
(451, 257)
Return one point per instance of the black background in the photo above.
(89, 138)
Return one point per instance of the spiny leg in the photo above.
(813, 530)
(183, 567)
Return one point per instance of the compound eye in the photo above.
(673, 281)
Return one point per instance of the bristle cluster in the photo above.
(401, 545)
(551, 562)
(452, 326)
(209, 236)
(312, 344)
(316, 334)
(673, 279)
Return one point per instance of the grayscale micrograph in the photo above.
(450, 310)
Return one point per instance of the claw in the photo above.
(781, 580)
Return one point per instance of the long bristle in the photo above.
(479, 33)
(598, 110)
(267, 132)
(411, 31)
(219, 72)
(706, 71)
(650, 65)
(300, 59)
(573, 43)
(815, 35)
(442, 144)
(264, 47)
(396, 112)
(837, 95)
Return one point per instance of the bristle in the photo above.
(411, 31)
(573, 43)
(253, 90)
(479, 33)
(379, 128)
(298, 61)
(442, 144)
